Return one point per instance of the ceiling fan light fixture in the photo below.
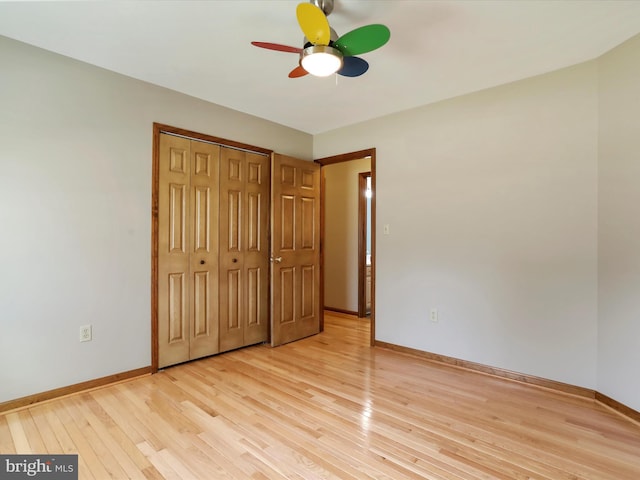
(321, 60)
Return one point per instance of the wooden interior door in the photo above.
(295, 249)
(244, 260)
(187, 250)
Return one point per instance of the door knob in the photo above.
(276, 259)
(201, 262)
(235, 260)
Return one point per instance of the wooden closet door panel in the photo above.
(256, 253)
(203, 287)
(173, 250)
(232, 248)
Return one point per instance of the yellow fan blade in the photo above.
(314, 24)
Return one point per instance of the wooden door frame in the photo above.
(159, 128)
(345, 157)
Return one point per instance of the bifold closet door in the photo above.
(187, 250)
(244, 260)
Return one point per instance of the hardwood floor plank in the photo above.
(49, 439)
(328, 407)
(103, 459)
(16, 430)
(36, 444)
(112, 401)
(159, 461)
(117, 445)
(6, 441)
(89, 462)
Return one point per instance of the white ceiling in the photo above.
(438, 49)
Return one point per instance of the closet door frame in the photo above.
(159, 128)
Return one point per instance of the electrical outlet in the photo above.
(385, 229)
(433, 315)
(85, 333)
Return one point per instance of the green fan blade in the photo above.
(363, 40)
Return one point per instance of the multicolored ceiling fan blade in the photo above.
(298, 72)
(353, 67)
(314, 24)
(363, 40)
(276, 46)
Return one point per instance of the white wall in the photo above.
(619, 224)
(75, 212)
(341, 233)
(491, 200)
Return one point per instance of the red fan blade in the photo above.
(297, 72)
(277, 47)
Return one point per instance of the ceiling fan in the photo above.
(323, 52)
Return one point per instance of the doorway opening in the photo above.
(356, 251)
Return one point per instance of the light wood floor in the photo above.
(328, 407)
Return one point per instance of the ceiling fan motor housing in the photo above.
(334, 36)
(325, 5)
